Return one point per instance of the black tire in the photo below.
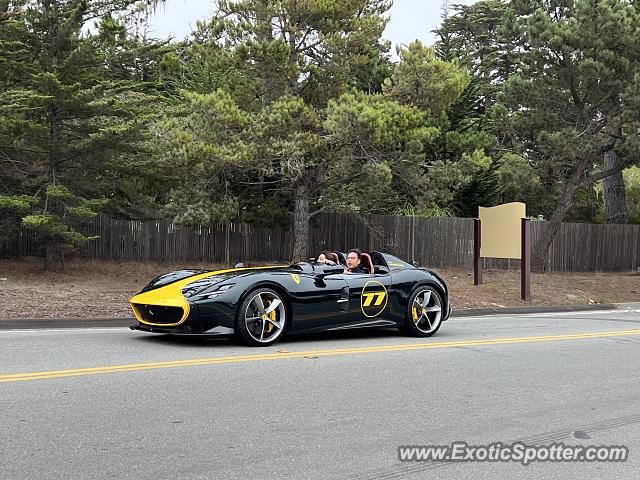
(426, 320)
(254, 325)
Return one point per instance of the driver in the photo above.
(354, 257)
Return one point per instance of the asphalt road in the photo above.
(112, 403)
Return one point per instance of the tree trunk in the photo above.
(544, 241)
(301, 221)
(52, 258)
(614, 196)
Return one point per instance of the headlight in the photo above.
(213, 293)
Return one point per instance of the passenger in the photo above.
(354, 257)
(325, 257)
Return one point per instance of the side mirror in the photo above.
(239, 265)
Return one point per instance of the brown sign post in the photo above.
(477, 259)
(525, 261)
(503, 232)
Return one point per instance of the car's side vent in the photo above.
(159, 314)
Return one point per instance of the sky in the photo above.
(410, 19)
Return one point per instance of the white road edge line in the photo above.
(66, 330)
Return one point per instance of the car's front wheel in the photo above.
(424, 312)
(261, 318)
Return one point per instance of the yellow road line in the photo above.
(19, 377)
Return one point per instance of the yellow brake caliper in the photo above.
(414, 312)
(272, 316)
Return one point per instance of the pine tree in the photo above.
(574, 95)
(75, 110)
(297, 56)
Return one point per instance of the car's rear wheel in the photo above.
(261, 318)
(424, 312)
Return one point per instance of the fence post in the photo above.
(227, 244)
(413, 239)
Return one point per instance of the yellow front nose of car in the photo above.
(167, 296)
(159, 307)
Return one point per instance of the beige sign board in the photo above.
(500, 230)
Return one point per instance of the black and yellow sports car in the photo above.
(262, 304)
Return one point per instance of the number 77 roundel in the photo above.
(373, 300)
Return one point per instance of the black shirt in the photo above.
(359, 269)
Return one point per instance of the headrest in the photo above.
(365, 259)
(334, 258)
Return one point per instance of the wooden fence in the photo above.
(436, 242)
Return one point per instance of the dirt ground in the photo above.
(100, 289)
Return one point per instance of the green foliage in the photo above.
(370, 74)
(520, 183)
(207, 153)
(474, 35)
(482, 189)
(462, 185)
(632, 184)
(81, 212)
(276, 131)
(379, 143)
(52, 226)
(409, 210)
(75, 108)
(631, 177)
(376, 121)
(58, 192)
(425, 81)
(584, 56)
(203, 206)
(306, 48)
(351, 187)
(279, 106)
(61, 229)
(270, 212)
(17, 203)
